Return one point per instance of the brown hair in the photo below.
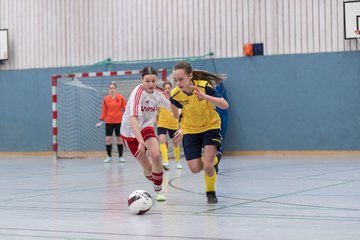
(167, 83)
(148, 70)
(213, 79)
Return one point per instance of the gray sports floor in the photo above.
(260, 197)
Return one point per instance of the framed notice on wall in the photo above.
(351, 19)
(4, 44)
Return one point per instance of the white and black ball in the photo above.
(139, 202)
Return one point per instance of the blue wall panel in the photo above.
(289, 102)
(296, 102)
(25, 110)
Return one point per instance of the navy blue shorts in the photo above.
(161, 130)
(111, 127)
(193, 143)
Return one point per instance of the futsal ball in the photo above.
(139, 202)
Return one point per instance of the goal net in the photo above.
(77, 101)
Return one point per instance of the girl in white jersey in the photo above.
(137, 128)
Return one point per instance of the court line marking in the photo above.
(265, 200)
(113, 234)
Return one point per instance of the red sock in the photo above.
(157, 178)
(149, 178)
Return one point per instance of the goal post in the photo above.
(76, 108)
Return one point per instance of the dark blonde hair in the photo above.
(112, 83)
(213, 79)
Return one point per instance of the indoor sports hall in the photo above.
(290, 166)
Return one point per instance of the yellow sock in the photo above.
(210, 182)
(177, 154)
(216, 160)
(164, 153)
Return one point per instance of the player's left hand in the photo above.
(198, 92)
(178, 136)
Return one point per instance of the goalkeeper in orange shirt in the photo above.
(113, 107)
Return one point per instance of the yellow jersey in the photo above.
(166, 119)
(197, 115)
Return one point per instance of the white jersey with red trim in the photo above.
(143, 105)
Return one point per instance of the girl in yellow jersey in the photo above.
(199, 121)
(166, 123)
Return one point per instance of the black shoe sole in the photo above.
(211, 197)
(212, 201)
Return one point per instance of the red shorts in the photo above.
(132, 143)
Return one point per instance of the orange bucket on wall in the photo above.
(248, 49)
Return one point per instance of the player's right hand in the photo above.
(98, 125)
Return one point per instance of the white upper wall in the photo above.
(55, 33)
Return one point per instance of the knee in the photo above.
(155, 156)
(209, 170)
(162, 139)
(108, 141)
(195, 169)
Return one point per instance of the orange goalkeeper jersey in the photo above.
(112, 109)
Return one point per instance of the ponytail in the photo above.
(212, 79)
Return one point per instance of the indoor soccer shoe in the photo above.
(166, 166)
(122, 160)
(179, 166)
(107, 159)
(160, 197)
(211, 197)
(216, 166)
